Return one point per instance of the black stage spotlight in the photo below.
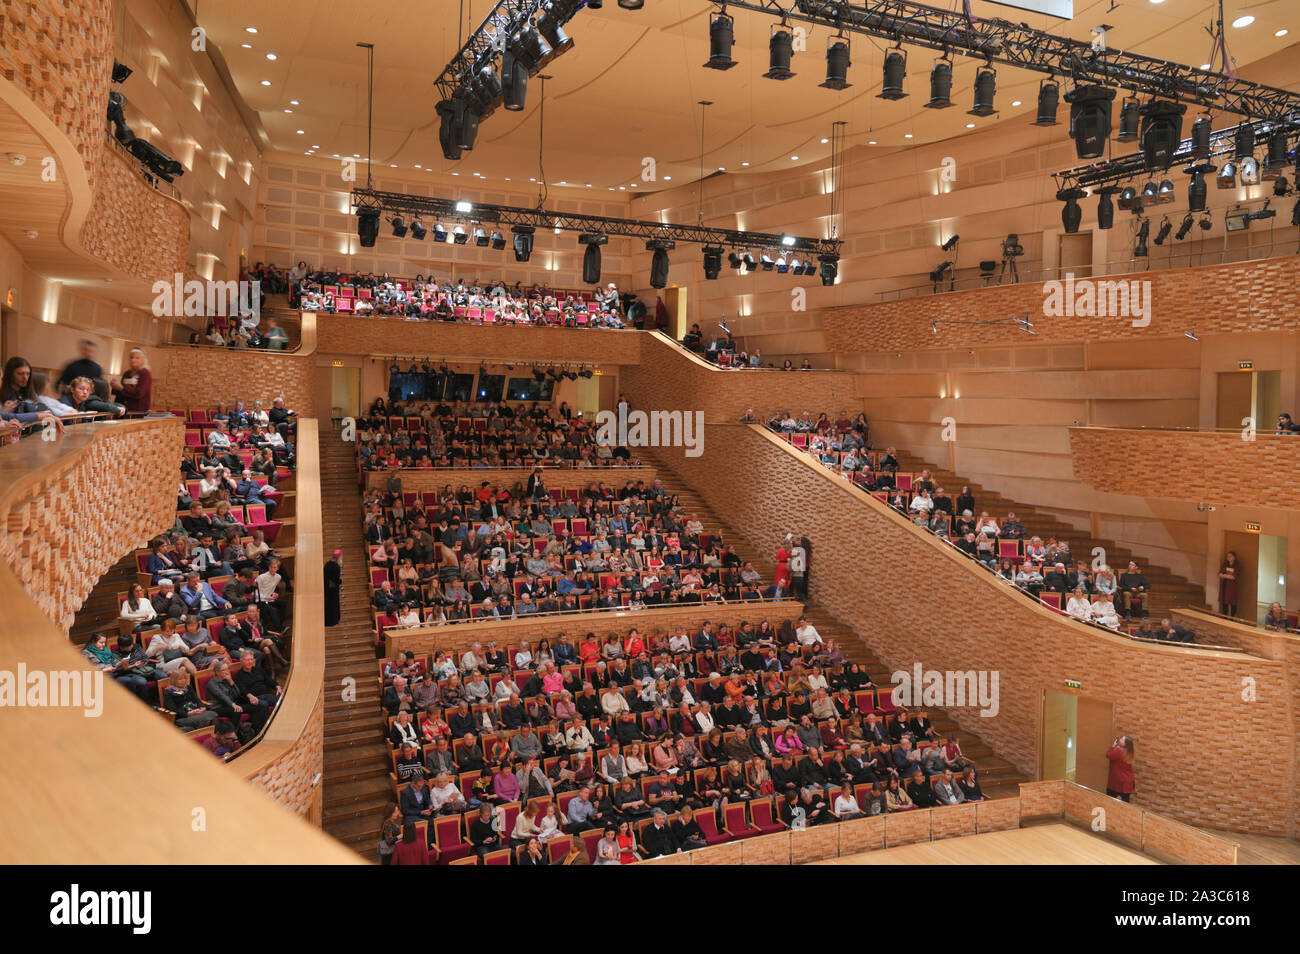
(1105, 207)
(549, 23)
(1128, 197)
(1071, 214)
(895, 72)
(837, 64)
(782, 265)
(367, 227)
(487, 87)
(1277, 153)
(1090, 119)
(1244, 141)
(467, 131)
(523, 242)
(1281, 186)
(531, 46)
(591, 257)
(585, 373)
(722, 34)
(780, 49)
(936, 275)
(986, 87)
(1163, 232)
(1165, 191)
(498, 240)
(748, 261)
(514, 81)
(1196, 188)
(829, 267)
(712, 261)
(797, 267)
(449, 120)
(418, 231)
(631, 4)
(1049, 95)
(1249, 171)
(1201, 137)
(1206, 223)
(539, 375)
(399, 227)
(1227, 177)
(1295, 213)
(949, 245)
(121, 72)
(439, 232)
(1150, 193)
(733, 260)
(766, 261)
(1130, 114)
(1184, 227)
(940, 85)
(659, 261)
(480, 238)
(459, 236)
(1162, 132)
(1140, 246)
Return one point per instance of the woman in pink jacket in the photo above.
(1119, 781)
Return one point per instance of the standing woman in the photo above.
(134, 387)
(1228, 574)
(390, 833)
(333, 588)
(1119, 780)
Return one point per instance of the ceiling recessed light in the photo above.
(266, 82)
(871, 142)
(666, 179)
(1157, 1)
(1015, 102)
(250, 29)
(564, 182)
(418, 166)
(301, 131)
(507, 178)
(392, 165)
(293, 102)
(532, 178)
(1281, 33)
(970, 125)
(622, 188)
(1205, 67)
(825, 141)
(247, 46)
(588, 185)
(794, 158)
(1243, 21)
(722, 168)
(271, 56)
(288, 110)
(907, 135)
(315, 147)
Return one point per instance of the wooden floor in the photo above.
(1262, 849)
(1055, 844)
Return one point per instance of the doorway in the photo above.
(1236, 399)
(1270, 581)
(345, 392)
(1247, 548)
(1075, 255)
(1077, 731)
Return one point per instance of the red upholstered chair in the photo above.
(708, 823)
(590, 840)
(885, 701)
(736, 823)
(764, 815)
(501, 857)
(1052, 600)
(377, 576)
(559, 847)
(1008, 549)
(449, 836)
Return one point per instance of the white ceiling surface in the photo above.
(629, 87)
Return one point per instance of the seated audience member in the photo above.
(1136, 592)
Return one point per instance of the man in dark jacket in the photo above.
(657, 838)
(166, 603)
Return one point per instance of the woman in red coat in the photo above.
(1228, 574)
(412, 849)
(1119, 781)
(782, 578)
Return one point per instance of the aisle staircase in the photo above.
(356, 784)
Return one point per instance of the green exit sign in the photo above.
(1245, 365)
(1072, 684)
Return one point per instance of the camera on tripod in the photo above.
(1011, 250)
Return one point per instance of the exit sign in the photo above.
(1072, 684)
(1252, 527)
(1245, 365)
(336, 364)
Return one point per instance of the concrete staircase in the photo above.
(998, 777)
(1168, 590)
(356, 784)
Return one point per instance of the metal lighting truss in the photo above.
(445, 210)
(489, 39)
(1098, 174)
(1016, 44)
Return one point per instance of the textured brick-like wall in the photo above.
(915, 599)
(459, 637)
(1137, 461)
(134, 227)
(1182, 843)
(557, 478)
(205, 377)
(61, 56)
(1251, 296)
(342, 334)
(671, 378)
(112, 488)
(287, 779)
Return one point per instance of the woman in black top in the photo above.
(921, 792)
(970, 786)
(713, 749)
(687, 829)
(965, 500)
